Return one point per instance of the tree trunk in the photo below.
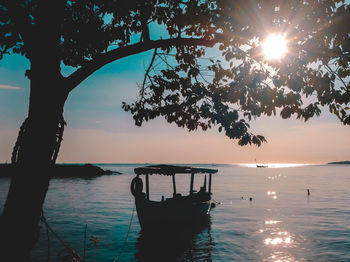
(35, 151)
(19, 224)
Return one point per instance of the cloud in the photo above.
(8, 87)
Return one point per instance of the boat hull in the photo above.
(171, 213)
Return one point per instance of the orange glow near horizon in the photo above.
(296, 145)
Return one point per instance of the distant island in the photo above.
(65, 170)
(347, 162)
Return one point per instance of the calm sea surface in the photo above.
(281, 223)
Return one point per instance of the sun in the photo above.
(274, 47)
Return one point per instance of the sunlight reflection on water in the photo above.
(279, 243)
(275, 165)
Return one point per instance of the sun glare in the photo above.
(275, 47)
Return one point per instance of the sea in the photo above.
(261, 214)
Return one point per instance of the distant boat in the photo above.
(260, 166)
(175, 211)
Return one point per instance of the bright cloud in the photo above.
(8, 87)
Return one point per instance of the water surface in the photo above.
(281, 223)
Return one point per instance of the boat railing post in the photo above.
(209, 183)
(174, 184)
(191, 186)
(147, 187)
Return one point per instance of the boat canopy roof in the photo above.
(169, 170)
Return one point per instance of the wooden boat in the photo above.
(177, 210)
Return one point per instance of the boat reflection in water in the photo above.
(191, 243)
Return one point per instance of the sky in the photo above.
(99, 131)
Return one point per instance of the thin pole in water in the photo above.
(147, 187)
(209, 190)
(174, 184)
(191, 187)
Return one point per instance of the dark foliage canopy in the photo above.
(185, 84)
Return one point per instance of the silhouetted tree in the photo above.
(185, 89)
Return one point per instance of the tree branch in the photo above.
(19, 17)
(147, 74)
(90, 67)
